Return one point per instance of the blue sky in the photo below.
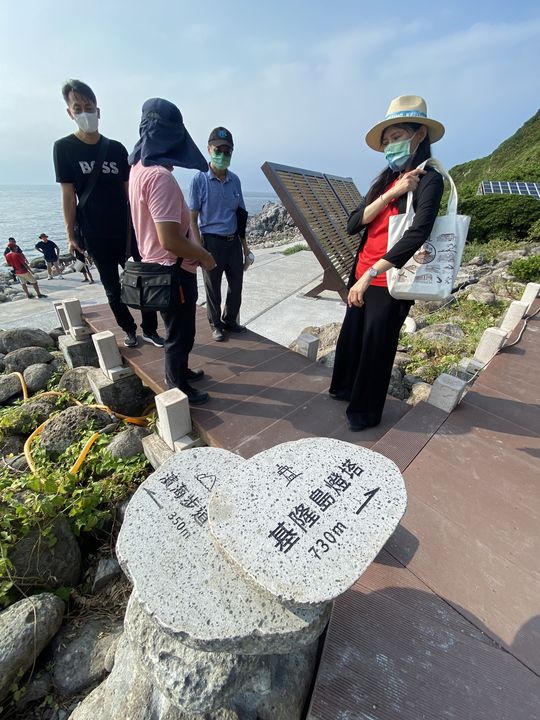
(297, 83)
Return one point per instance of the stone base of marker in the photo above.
(125, 395)
(446, 392)
(156, 676)
(78, 352)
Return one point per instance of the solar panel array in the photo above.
(504, 187)
(320, 205)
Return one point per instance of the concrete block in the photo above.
(73, 311)
(79, 332)
(531, 292)
(156, 450)
(513, 315)
(187, 442)
(117, 373)
(489, 345)
(61, 315)
(174, 419)
(125, 395)
(77, 352)
(308, 345)
(446, 392)
(107, 351)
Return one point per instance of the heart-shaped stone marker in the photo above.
(304, 519)
(183, 581)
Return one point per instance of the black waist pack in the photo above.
(149, 286)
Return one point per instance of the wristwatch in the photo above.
(373, 272)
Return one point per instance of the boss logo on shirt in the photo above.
(106, 168)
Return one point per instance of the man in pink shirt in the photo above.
(161, 220)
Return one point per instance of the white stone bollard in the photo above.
(61, 315)
(174, 419)
(446, 392)
(513, 315)
(73, 311)
(110, 360)
(531, 292)
(489, 345)
(308, 345)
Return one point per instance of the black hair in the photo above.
(79, 87)
(387, 176)
(10, 239)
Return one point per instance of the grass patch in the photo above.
(295, 248)
(490, 250)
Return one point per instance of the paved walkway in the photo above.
(446, 622)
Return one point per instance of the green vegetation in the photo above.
(508, 217)
(526, 269)
(431, 358)
(34, 500)
(490, 250)
(295, 248)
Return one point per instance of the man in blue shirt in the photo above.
(218, 221)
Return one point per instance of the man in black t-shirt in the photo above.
(51, 253)
(103, 218)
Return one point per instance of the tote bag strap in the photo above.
(438, 166)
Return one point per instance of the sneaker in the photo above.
(130, 339)
(153, 338)
(236, 328)
(194, 396)
(50, 277)
(41, 295)
(218, 335)
(85, 280)
(194, 375)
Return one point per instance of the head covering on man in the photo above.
(164, 139)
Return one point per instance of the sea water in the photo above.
(26, 211)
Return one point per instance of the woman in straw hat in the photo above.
(369, 336)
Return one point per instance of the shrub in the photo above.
(526, 269)
(507, 216)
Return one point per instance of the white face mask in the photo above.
(87, 122)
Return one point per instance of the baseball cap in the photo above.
(220, 136)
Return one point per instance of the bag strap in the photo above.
(92, 180)
(438, 166)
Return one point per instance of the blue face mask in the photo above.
(398, 154)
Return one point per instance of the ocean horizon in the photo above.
(28, 210)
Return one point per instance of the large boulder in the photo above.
(10, 386)
(37, 376)
(11, 445)
(25, 629)
(17, 338)
(28, 416)
(19, 360)
(128, 443)
(68, 426)
(81, 652)
(37, 562)
(75, 380)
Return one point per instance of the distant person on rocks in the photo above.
(23, 273)
(51, 253)
(369, 335)
(218, 221)
(100, 215)
(161, 220)
(13, 247)
(83, 262)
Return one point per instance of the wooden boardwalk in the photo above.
(446, 622)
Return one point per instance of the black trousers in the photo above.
(107, 256)
(365, 354)
(180, 326)
(229, 258)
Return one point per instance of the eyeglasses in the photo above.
(222, 150)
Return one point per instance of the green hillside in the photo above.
(503, 216)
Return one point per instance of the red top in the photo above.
(376, 245)
(17, 262)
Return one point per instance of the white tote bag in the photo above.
(431, 272)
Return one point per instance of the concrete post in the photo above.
(308, 345)
(174, 419)
(73, 311)
(489, 345)
(61, 315)
(531, 292)
(515, 312)
(110, 360)
(446, 392)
